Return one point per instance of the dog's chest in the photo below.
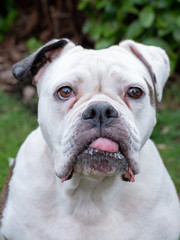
(80, 219)
(105, 227)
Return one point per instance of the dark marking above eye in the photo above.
(145, 62)
(151, 93)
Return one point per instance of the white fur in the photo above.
(157, 63)
(41, 207)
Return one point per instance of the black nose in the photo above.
(100, 114)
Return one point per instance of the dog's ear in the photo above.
(155, 60)
(29, 67)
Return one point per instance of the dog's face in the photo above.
(96, 107)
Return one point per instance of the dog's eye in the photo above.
(134, 92)
(65, 93)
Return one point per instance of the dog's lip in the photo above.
(68, 176)
(129, 174)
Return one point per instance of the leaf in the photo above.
(100, 4)
(86, 27)
(1, 37)
(160, 22)
(11, 16)
(163, 4)
(164, 32)
(157, 42)
(103, 43)
(110, 29)
(178, 21)
(33, 44)
(82, 4)
(139, 2)
(96, 30)
(147, 16)
(176, 34)
(128, 7)
(134, 30)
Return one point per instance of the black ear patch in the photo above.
(29, 67)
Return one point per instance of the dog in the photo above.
(90, 171)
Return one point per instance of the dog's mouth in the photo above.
(102, 157)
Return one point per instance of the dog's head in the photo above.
(96, 107)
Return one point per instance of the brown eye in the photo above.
(134, 92)
(65, 93)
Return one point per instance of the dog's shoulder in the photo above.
(33, 145)
(32, 139)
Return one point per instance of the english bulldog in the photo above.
(90, 171)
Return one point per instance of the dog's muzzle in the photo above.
(103, 144)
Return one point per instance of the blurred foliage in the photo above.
(7, 17)
(32, 44)
(148, 21)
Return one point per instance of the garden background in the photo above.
(26, 25)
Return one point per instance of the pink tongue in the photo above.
(105, 144)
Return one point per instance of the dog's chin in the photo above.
(97, 163)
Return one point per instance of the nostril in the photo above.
(93, 113)
(111, 113)
(108, 113)
(90, 113)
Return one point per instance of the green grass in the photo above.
(17, 121)
(167, 138)
(167, 130)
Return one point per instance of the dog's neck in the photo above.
(86, 197)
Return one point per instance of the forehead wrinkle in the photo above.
(99, 71)
(100, 74)
(71, 77)
(77, 78)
